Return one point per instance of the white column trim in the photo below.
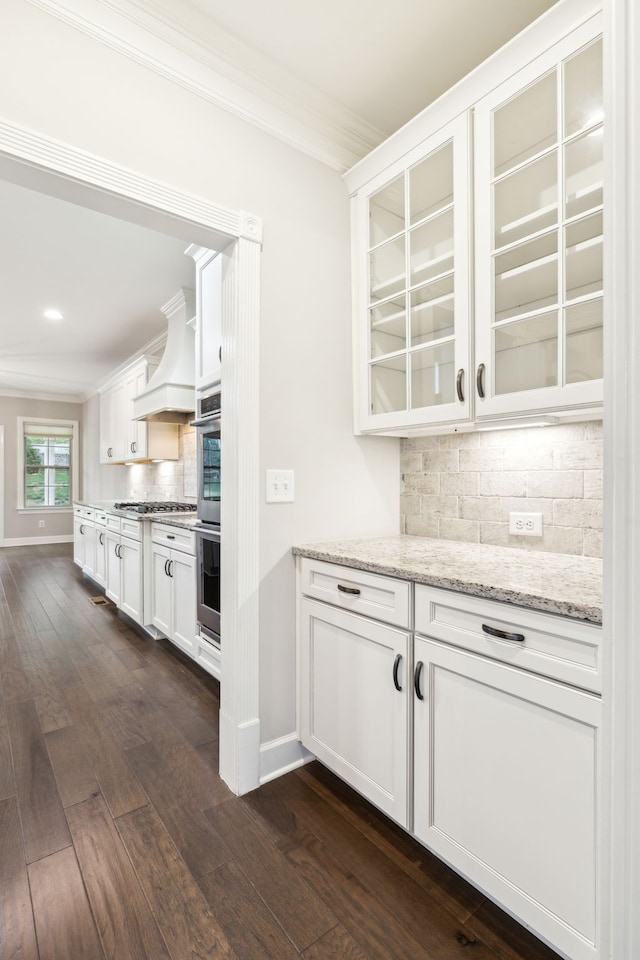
(61, 170)
(2, 510)
(239, 748)
(622, 467)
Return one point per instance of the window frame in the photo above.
(20, 462)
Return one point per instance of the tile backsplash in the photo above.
(462, 486)
(169, 479)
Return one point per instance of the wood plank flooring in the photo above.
(118, 840)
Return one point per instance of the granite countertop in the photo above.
(186, 520)
(554, 583)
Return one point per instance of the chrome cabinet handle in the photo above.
(171, 569)
(81, 529)
(396, 667)
(165, 568)
(416, 679)
(459, 380)
(101, 539)
(480, 381)
(353, 591)
(503, 634)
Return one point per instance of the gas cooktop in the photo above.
(155, 506)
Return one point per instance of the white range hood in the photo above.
(170, 394)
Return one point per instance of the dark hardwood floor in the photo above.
(119, 840)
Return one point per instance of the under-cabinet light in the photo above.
(514, 425)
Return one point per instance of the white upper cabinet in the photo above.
(208, 315)
(486, 303)
(413, 225)
(538, 188)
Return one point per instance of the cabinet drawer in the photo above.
(557, 647)
(131, 528)
(381, 598)
(113, 522)
(174, 537)
(100, 518)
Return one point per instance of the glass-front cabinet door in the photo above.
(538, 188)
(413, 283)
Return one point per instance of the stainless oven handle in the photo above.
(206, 421)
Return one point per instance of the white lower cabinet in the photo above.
(173, 586)
(505, 788)
(123, 569)
(355, 714)
(477, 727)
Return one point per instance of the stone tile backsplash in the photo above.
(169, 479)
(462, 486)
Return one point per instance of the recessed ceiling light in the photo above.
(52, 314)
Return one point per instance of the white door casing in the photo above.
(58, 169)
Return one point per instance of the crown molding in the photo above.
(211, 62)
(49, 397)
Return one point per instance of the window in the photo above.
(47, 463)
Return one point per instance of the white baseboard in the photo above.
(34, 541)
(278, 757)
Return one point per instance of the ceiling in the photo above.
(377, 63)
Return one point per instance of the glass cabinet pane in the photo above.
(526, 278)
(431, 248)
(388, 325)
(583, 327)
(387, 269)
(433, 376)
(432, 316)
(526, 201)
(386, 212)
(583, 173)
(583, 90)
(388, 387)
(431, 184)
(583, 257)
(525, 125)
(526, 354)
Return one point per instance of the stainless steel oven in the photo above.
(208, 454)
(208, 539)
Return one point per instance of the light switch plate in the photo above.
(279, 486)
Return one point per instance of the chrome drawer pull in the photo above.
(502, 634)
(351, 590)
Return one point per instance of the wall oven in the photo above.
(208, 454)
(208, 450)
(208, 539)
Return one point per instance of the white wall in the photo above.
(68, 86)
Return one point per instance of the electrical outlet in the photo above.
(41, 523)
(525, 524)
(279, 486)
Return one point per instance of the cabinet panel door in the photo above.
(208, 315)
(89, 548)
(539, 214)
(183, 589)
(505, 788)
(131, 596)
(79, 541)
(412, 230)
(160, 589)
(352, 716)
(113, 567)
(100, 573)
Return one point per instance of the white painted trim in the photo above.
(34, 541)
(281, 756)
(622, 464)
(61, 170)
(222, 69)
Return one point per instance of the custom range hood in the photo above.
(169, 396)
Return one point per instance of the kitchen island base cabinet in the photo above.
(505, 788)
(355, 707)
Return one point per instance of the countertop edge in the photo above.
(473, 587)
